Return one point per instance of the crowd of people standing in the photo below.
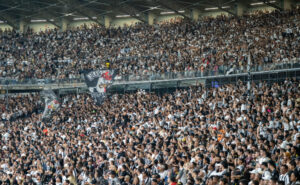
(214, 45)
(192, 136)
(225, 135)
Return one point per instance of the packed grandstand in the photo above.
(220, 45)
(191, 136)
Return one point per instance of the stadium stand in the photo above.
(219, 45)
(191, 136)
(205, 132)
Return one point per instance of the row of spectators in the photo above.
(192, 136)
(20, 106)
(219, 44)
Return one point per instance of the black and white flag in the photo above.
(98, 82)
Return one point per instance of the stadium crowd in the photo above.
(219, 45)
(20, 106)
(193, 136)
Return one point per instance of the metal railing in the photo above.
(212, 71)
(11, 81)
(152, 76)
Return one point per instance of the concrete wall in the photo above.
(120, 22)
(213, 13)
(43, 26)
(75, 24)
(5, 27)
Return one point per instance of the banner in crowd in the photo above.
(98, 82)
(51, 103)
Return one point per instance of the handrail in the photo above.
(168, 76)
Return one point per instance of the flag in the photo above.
(98, 82)
(51, 103)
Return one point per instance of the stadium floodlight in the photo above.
(216, 8)
(122, 16)
(171, 12)
(258, 3)
(165, 13)
(225, 7)
(212, 8)
(261, 3)
(80, 18)
(38, 20)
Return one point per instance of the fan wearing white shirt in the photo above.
(284, 176)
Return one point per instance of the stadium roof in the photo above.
(13, 11)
